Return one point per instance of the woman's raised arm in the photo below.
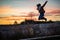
(44, 4)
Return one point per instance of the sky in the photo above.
(15, 9)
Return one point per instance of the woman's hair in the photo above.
(38, 4)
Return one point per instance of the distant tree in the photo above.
(31, 15)
(50, 21)
(15, 22)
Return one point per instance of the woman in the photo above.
(41, 10)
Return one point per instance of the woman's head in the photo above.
(38, 5)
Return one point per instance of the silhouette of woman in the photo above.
(41, 11)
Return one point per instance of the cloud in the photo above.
(5, 9)
(55, 12)
(8, 11)
(32, 14)
(23, 12)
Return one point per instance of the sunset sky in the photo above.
(18, 10)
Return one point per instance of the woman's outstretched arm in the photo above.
(44, 3)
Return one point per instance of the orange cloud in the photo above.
(55, 12)
(5, 9)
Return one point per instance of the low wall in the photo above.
(30, 30)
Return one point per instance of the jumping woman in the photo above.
(41, 11)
